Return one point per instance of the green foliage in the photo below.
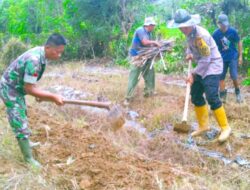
(13, 48)
(105, 28)
(123, 62)
(245, 68)
(246, 48)
(246, 82)
(175, 58)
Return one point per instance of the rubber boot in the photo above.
(221, 118)
(202, 117)
(26, 150)
(223, 96)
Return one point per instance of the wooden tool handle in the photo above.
(105, 105)
(185, 112)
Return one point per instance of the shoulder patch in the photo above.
(202, 46)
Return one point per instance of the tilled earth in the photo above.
(91, 159)
(79, 150)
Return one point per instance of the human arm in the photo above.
(237, 40)
(189, 58)
(33, 68)
(147, 42)
(240, 52)
(145, 38)
(42, 95)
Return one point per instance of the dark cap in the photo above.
(223, 19)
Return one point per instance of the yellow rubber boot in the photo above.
(221, 118)
(202, 117)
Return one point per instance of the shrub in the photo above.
(10, 51)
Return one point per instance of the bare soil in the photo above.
(80, 151)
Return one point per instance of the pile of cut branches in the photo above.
(152, 52)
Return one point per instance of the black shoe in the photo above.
(239, 98)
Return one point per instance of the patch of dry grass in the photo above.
(154, 113)
(194, 170)
(14, 173)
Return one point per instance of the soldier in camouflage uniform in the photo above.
(20, 79)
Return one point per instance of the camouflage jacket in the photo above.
(27, 68)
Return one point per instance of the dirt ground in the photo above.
(79, 149)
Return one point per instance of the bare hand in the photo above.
(190, 79)
(58, 99)
(189, 57)
(157, 44)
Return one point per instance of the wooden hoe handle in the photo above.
(185, 112)
(105, 105)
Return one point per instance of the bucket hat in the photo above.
(182, 18)
(149, 21)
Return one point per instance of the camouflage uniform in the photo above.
(27, 68)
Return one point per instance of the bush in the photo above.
(10, 51)
(246, 82)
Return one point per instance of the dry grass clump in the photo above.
(10, 51)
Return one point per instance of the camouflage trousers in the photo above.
(16, 111)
